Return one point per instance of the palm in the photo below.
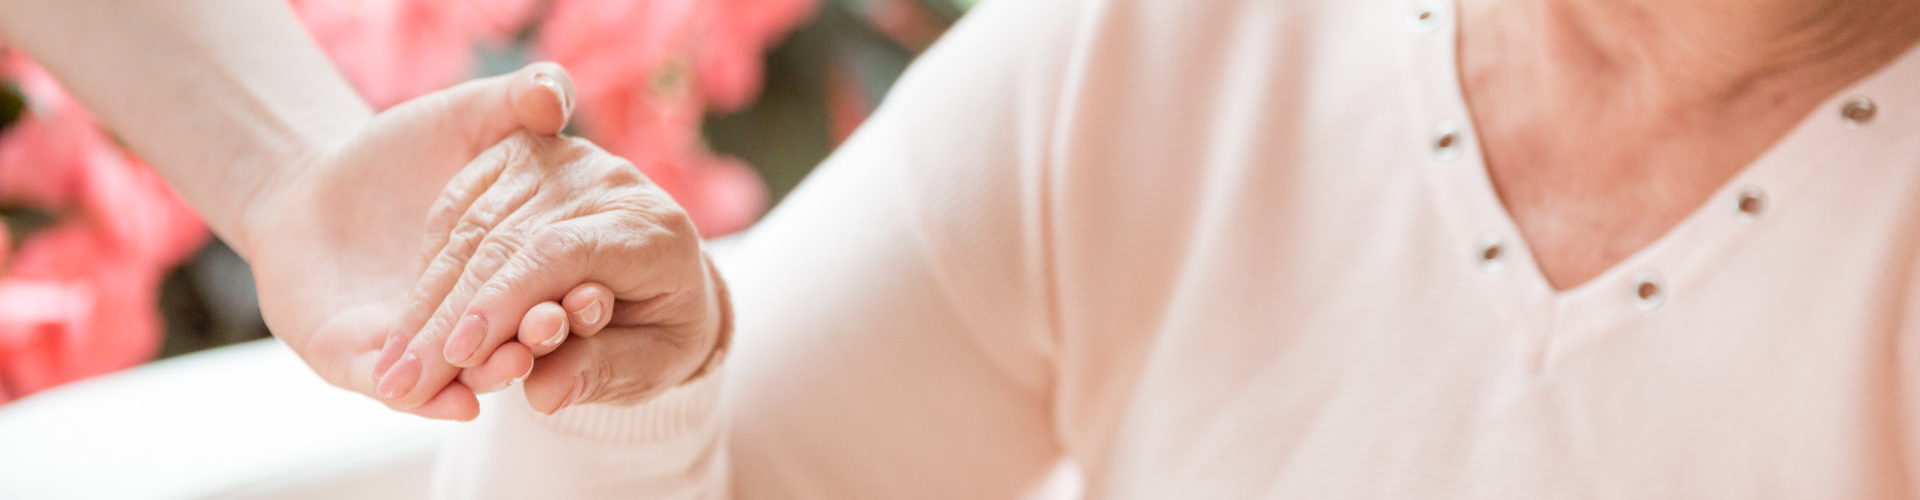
(337, 243)
(346, 242)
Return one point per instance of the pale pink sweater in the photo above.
(1215, 249)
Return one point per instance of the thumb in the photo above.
(622, 366)
(538, 98)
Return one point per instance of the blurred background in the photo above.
(726, 103)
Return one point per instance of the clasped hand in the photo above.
(535, 246)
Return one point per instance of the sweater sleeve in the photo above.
(669, 447)
(894, 333)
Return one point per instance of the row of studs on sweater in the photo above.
(1649, 290)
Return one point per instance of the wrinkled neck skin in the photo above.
(1604, 122)
(1675, 53)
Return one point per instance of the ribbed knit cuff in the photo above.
(673, 414)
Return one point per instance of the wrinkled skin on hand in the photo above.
(530, 243)
(334, 242)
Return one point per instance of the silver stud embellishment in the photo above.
(1649, 292)
(1858, 111)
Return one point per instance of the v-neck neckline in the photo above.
(1673, 259)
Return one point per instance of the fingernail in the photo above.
(590, 314)
(553, 85)
(579, 386)
(401, 377)
(557, 336)
(389, 352)
(466, 338)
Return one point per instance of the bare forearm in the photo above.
(218, 95)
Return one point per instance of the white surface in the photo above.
(247, 421)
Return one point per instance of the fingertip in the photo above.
(401, 377)
(545, 103)
(419, 375)
(510, 362)
(517, 357)
(390, 352)
(462, 347)
(544, 327)
(590, 308)
(454, 402)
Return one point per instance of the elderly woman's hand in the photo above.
(544, 235)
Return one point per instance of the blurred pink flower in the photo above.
(57, 158)
(649, 70)
(38, 164)
(394, 50)
(730, 194)
(79, 298)
(662, 138)
(660, 134)
(728, 53)
(75, 308)
(616, 47)
(496, 21)
(646, 72)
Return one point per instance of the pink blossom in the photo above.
(37, 163)
(646, 70)
(78, 298)
(660, 135)
(75, 308)
(727, 66)
(393, 50)
(496, 21)
(57, 158)
(729, 194)
(729, 53)
(649, 70)
(616, 47)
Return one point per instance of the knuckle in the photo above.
(521, 153)
(420, 308)
(616, 171)
(677, 223)
(433, 279)
(560, 244)
(472, 285)
(475, 223)
(439, 226)
(498, 288)
(655, 219)
(606, 385)
(445, 210)
(580, 147)
(463, 240)
(493, 253)
(599, 377)
(676, 236)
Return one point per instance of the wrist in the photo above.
(266, 198)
